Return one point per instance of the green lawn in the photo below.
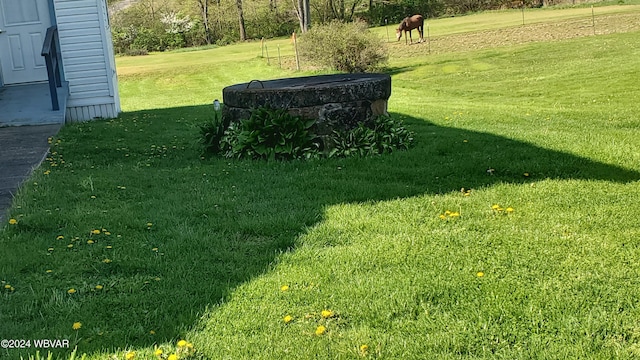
(510, 230)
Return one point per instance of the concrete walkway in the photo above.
(22, 148)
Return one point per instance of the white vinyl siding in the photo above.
(85, 49)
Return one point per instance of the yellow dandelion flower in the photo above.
(13, 221)
(526, 174)
(479, 274)
(152, 332)
(108, 247)
(149, 224)
(12, 289)
(90, 242)
(76, 325)
(326, 313)
(50, 249)
(106, 261)
(442, 216)
(71, 291)
(155, 249)
(364, 348)
(47, 172)
(70, 246)
(99, 287)
(182, 343)
(130, 355)
(320, 330)
(173, 357)
(7, 286)
(509, 210)
(49, 271)
(287, 319)
(93, 196)
(495, 207)
(96, 232)
(60, 237)
(447, 213)
(284, 287)
(107, 233)
(158, 352)
(454, 214)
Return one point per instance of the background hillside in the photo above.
(141, 26)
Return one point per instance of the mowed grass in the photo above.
(535, 258)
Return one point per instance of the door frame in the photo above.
(52, 17)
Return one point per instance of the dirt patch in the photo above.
(555, 31)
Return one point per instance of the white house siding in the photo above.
(87, 57)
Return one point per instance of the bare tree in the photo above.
(303, 12)
(243, 33)
(204, 8)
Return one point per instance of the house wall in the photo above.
(87, 57)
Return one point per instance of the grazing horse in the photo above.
(409, 23)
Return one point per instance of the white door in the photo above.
(23, 25)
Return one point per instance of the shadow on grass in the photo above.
(217, 223)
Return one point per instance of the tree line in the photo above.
(158, 25)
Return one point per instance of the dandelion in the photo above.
(284, 287)
(13, 221)
(326, 313)
(526, 174)
(99, 287)
(76, 325)
(509, 210)
(182, 343)
(96, 232)
(107, 233)
(479, 274)
(442, 216)
(320, 330)
(70, 246)
(495, 207)
(155, 249)
(60, 237)
(90, 242)
(108, 247)
(50, 249)
(106, 261)
(7, 286)
(49, 271)
(454, 214)
(173, 357)
(287, 319)
(71, 291)
(47, 172)
(152, 332)
(149, 224)
(130, 355)
(158, 352)
(93, 196)
(364, 348)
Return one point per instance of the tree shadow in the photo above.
(229, 219)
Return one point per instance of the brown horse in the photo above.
(409, 23)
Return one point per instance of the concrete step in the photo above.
(30, 104)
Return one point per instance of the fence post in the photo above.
(295, 49)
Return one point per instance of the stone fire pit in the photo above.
(336, 101)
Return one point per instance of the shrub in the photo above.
(348, 47)
(383, 136)
(271, 134)
(275, 134)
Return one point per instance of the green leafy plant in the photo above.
(383, 136)
(271, 134)
(213, 131)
